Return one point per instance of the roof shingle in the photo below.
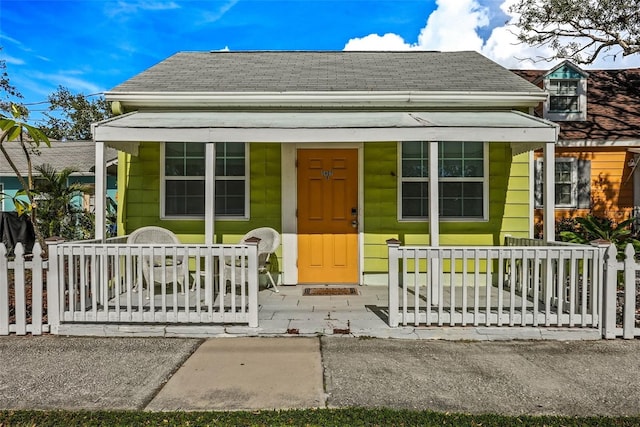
(312, 71)
(613, 106)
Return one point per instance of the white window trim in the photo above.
(580, 115)
(247, 198)
(485, 188)
(574, 182)
(2, 196)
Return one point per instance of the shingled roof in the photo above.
(313, 71)
(80, 155)
(613, 106)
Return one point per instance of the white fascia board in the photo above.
(134, 100)
(542, 134)
(598, 143)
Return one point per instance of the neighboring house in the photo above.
(335, 150)
(597, 152)
(79, 155)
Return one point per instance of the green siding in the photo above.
(508, 207)
(565, 72)
(140, 196)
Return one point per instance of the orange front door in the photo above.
(327, 216)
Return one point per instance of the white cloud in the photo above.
(439, 33)
(12, 60)
(453, 26)
(130, 8)
(388, 41)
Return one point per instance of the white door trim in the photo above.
(289, 177)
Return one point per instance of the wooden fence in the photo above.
(22, 291)
(622, 310)
(109, 283)
(552, 285)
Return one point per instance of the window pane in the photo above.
(563, 194)
(415, 159)
(461, 199)
(563, 172)
(195, 149)
(230, 159)
(450, 168)
(174, 149)
(184, 197)
(474, 150)
(414, 199)
(473, 168)
(230, 198)
(452, 150)
(174, 167)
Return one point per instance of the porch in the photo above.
(509, 292)
(363, 314)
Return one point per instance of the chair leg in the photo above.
(273, 283)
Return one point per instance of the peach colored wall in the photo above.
(611, 183)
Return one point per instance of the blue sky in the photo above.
(91, 46)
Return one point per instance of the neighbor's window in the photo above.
(563, 96)
(461, 170)
(184, 179)
(572, 183)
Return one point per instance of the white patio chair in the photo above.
(163, 266)
(268, 244)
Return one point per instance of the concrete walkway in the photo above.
(161, 374)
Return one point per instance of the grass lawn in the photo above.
(317, 417)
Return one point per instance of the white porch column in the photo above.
(100, 196)
(210, 193)
(434, 196)
(549, 217)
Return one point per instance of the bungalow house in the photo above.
(79, 155)
(338, 151)
(598, 112)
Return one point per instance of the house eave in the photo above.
(594, 143)
(336, 99)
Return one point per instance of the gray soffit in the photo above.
(506, 126)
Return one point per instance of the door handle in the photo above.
(354, 223)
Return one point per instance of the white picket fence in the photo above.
(18, 313)
(553, 285)
(105, 283)
(622, 314)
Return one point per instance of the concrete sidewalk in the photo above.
(508, 377)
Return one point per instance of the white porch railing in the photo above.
(555, 285)
(122, 283)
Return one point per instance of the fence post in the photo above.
(4, 291)
(599, 279)
(252, 266)
(36, 290)
(609, 299)
(20, 290)
(393, 246)
(629, 318)
(53, 288)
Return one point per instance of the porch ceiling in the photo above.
(296, 127)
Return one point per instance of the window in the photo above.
(563, 96)
(1, 197)
(461, 170)
(184, 169)
(572, 183)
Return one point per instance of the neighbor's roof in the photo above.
(320, 71)
(80, 155)
(613, 106)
